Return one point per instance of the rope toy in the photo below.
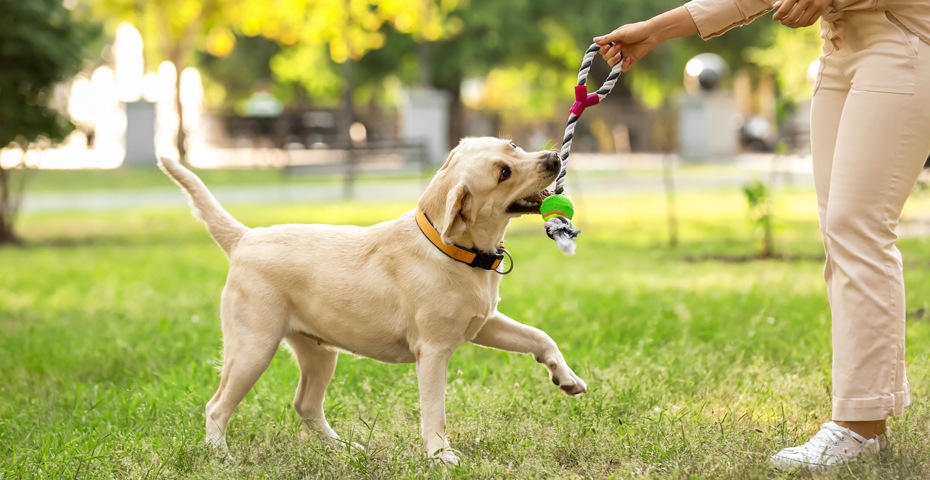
(557, 210)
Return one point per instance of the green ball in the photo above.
(556, 206)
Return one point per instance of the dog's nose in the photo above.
(552, 162)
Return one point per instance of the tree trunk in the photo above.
(425, 71)
(9, 205)
(6, 224)
(181, 139)
(456, 116)
(345, 127)
(671, 212)
(348, 101)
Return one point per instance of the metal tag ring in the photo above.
(511, 262)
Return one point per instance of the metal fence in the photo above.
(386, 158)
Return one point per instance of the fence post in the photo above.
(348, 188)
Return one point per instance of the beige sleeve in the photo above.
(714, 17)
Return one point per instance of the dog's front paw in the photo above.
(220, 449)
(569, 383)
(444, 456)
(562, 376)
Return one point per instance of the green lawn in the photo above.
(110, 341)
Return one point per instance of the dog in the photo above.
(409, 290)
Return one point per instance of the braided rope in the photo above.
(573, 118)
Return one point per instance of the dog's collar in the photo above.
(468, 256)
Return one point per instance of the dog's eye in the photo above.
(514, 145)
(505, 174)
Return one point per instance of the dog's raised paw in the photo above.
(576, 389)
(573, 386)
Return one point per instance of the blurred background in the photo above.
(241, 82)
(322, 88)
(695, 306)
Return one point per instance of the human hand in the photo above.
(634, 40)
(804, 13)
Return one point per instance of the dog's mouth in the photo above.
(529, 204)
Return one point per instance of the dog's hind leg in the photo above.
(248, 346)
(504, 333)
(317, 365)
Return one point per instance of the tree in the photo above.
(788, 56)
(173, 30)
(41, 45)
(529, 51)
(176, 30)
(349, 30)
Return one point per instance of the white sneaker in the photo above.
(833, 444)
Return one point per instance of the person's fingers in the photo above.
(609, 51)
(612, 51)
(627, 63)
(615, 36)
(614, 59)
(784, 7)
(605, 52)
(808, 19)
(794, 19)
(821, 12)
(796, 13)
(609, 48)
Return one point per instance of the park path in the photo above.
(586, 182)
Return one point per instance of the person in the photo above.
(870, 135)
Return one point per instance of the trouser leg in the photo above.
(826, 110)
(881, 143)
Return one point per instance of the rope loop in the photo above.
(582, 100)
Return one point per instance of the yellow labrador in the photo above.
(407, 290)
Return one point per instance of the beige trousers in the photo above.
(870, 130)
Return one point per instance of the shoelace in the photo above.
(826, 436)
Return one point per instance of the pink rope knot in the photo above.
(583, 100)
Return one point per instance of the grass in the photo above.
(110, 341)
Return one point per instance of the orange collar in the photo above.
(468, 256)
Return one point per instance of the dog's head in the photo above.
(483, 184)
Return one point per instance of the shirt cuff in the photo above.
(714, 17)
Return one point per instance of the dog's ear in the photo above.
(459, 213)
(449, 158)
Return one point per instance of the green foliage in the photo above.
(41, 44)
(239, 72)
(310, 67)
(758, 196)
(696, 368)
(787, 55)
(532, 49)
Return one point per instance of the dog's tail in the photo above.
(224, 229)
